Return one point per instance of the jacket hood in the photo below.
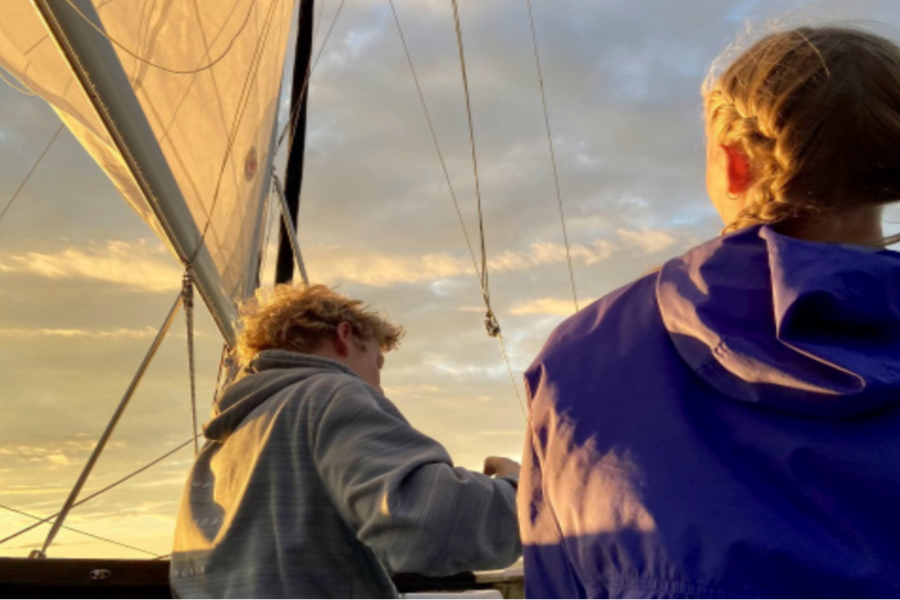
(800, 326)
(268, 373)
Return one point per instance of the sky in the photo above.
(84, 284)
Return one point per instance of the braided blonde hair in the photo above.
(816, 110)
(300, 318)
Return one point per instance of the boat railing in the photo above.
(122, 578)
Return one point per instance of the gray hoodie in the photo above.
(312, 484)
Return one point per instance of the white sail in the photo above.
(176, 101)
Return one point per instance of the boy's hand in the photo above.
(498, 466)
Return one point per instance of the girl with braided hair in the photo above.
(729, 426)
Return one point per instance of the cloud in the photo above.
(14, 490)
(100, 334)
(137, 266)
(36, 455)
(335, 263)
(545, 306)
(381, 270)
(648, 241)
(541, 253)
(61, 454)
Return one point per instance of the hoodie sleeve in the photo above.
(399, 491)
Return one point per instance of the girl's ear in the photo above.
(738, 170)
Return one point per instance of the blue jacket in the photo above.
(726, 427)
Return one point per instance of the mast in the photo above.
(284, 268)
(96, 65)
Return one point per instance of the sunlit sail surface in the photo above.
(206, 77)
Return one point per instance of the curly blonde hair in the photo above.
(816, 110)
(289, 317)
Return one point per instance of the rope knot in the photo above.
(491, 324)
(187, 290)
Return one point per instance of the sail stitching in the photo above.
(559, 202)
(149, 63)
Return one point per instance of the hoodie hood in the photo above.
(799, 326)
(268, 373)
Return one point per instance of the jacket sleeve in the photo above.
(398, 490)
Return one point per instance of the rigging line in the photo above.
(139, 58)
(263, 250)
(187, 300)
(295, 111)
(562, 217)
(175, 113)
(103, 490)
(434, 138)
(485, 288)
(22, 89)
(491, 323)
(243, 102)
(82, 532)
(318, 24)
(512, 378)
(220, 384)
(33, 167)
(110, 427)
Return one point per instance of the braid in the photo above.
(764, 143)
(816, 111)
